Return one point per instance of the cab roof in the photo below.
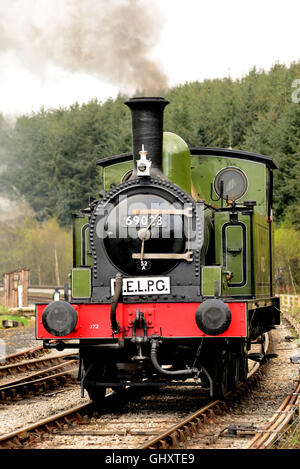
(198, 151)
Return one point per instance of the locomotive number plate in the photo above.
(143, 286)
(142, 221)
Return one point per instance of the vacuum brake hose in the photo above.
(153, 354)
(114, 303)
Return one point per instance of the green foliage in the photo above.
(43, 247)
(3, 310)
(9, 317)
(287, 259)
(52, 156)
(5, 130)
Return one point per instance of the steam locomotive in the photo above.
(173, 266)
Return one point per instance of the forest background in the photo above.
(48, 170)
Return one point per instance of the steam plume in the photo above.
(111, 39)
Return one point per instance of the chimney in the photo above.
(147, 131)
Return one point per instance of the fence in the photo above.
(289, 301)
(290, 308)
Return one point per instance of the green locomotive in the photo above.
(173, 274)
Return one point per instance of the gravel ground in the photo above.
(16, 414)
(24, 412)
(17, 339)
(257, 408)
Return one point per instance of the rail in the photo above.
(285, 417)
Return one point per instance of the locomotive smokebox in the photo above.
(147, 131)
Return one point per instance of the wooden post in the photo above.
(12, 283)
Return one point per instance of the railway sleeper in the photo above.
(187, 431)
(174, 441)
(162, 444)
(180, 436)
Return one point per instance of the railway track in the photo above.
(113, 428)
(289, 410)
(279, 422)
(256, 422)
(51, 375)
(119, 429)
(165, 421)
(18, 366)
(117, 425)
(25, 354)
(186, 430)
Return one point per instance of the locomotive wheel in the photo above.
(221, 374)
(96, 393)
(236, 365)
(238, 369)
(99, 372)
(243, 367)
(224, 368)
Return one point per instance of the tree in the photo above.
(287, 248)
(42, 247)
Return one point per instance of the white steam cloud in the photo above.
(109, 39)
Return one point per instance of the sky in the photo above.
(57, 52)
